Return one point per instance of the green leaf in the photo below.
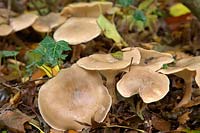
(139, 16)
(145, 4)
(125, 3)
(49, 52)
(118, 55)
(110, 31)
(5, 53)
(165, 66)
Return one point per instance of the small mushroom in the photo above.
(83, 9)
(23, 21)
(48, 22)
(5, 30)
(150, 85)
(76, 31)
(109, 66)
(152, 59)
(185, 68)
(72, 97)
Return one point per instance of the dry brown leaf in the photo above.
(16, 98)
(194, 102)
(160, 124)
(14, 120)
(56, 131)
(184, 118)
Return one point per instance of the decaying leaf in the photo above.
(184, 118)
(110, 31)
(14, 120)
(160, 124)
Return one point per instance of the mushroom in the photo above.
(23, 21)
(76, 31)
(72, 97)
(5, 30)
(83, 9)
(110, 66)
(185, 68)
(150, 85)
(152, 59)
(48, 22)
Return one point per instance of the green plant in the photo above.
(48, 55)
(4, 54)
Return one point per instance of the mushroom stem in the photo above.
(188, 89)
(76, 52)
(110, 84)
(187, 94)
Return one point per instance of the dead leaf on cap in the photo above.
(14, 120)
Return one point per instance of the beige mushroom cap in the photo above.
(150, 85)
(108, 62)
(78, 30)
(23, 21)
(4, 13)
(154, 59)
(190, 63)
(74, 95)
(5, 29)
(48, 22)
(83, 9)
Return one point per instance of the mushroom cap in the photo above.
(4, 13)
(3, 20)
(150, 85)
(78, 30)
(5, 29)
(74, 96)
(23, 21)
(48, 22)
(190, 63)
(83, 9)
(154, 60)
(108, 62)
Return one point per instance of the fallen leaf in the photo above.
(110, 31)
(184, 118)
(178, 10)
(160, 124)
(14, 120)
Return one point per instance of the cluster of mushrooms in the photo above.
(77, 94)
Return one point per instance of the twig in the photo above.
(126, 127)
(9, 86)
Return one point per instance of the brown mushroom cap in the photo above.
(74, 96)
(48, 22)
(77, 30)
(150, 85)
(153, 59)
(4, 13)
(83, 9)
(5, 29)
(185, 68)
(190, 63)
(23, 21)
(108, 62)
